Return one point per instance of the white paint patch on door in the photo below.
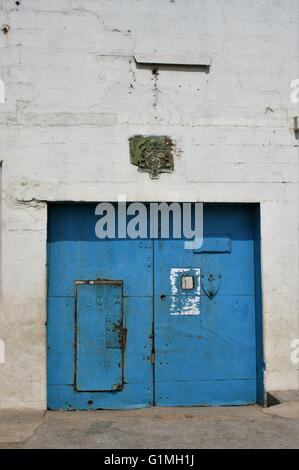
(184, 302)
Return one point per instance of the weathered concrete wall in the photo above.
(73, 98)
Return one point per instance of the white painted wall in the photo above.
(73, 98)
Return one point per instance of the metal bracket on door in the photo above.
(211, 291)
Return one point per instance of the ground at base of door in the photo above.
(170, 428)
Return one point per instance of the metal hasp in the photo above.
(152, 154)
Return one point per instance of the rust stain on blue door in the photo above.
(150, 322)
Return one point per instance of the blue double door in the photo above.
(135, 323)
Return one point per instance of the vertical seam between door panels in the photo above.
(153, 323)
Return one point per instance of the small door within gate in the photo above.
(100, 336)
(134, 323)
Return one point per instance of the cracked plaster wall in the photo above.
(74, 96)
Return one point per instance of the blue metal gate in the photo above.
(134, 323)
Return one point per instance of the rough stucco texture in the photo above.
(74, 96)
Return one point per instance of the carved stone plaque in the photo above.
(152, 154)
